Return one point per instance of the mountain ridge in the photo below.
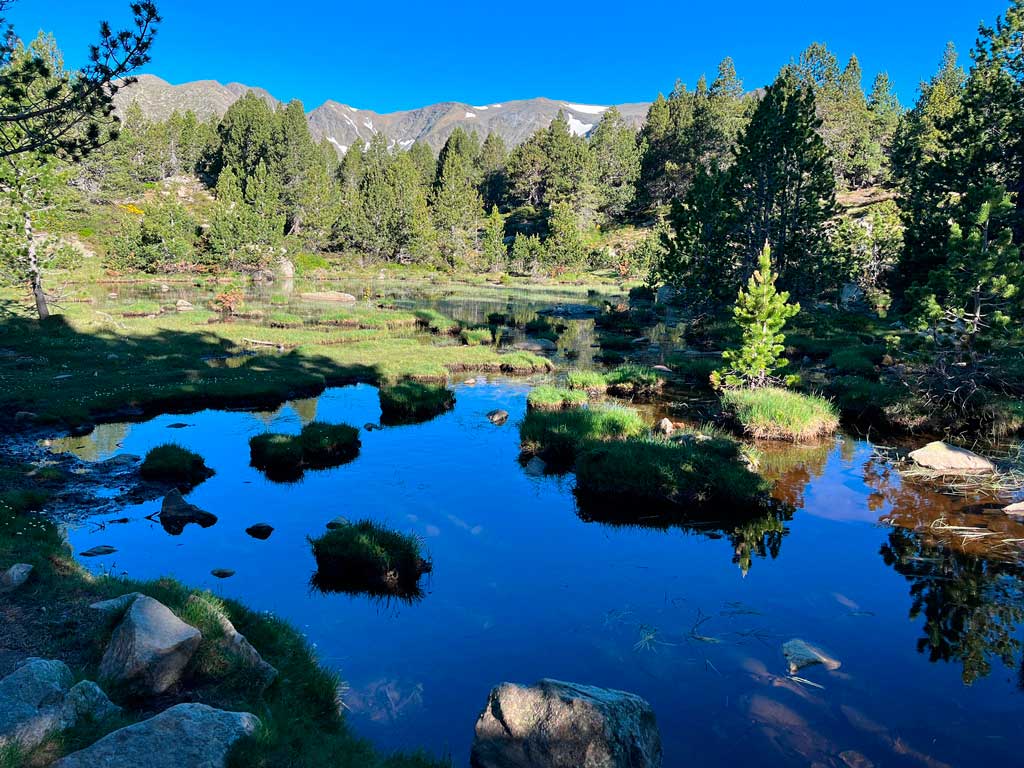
(341, 124)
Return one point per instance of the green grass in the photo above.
(631, 380)
(780, 414)
(171, 463)
(548, 398)
(475, 336)
(141, 307)
(367, 557)
(277, 455)
(593, 382)
(696, 369)
(413, 401)
(616, 342)
(284, 320)
(318, 446)
(619, 475)
(435, 322)
(558, 436)
(372, 319)
(858, 360)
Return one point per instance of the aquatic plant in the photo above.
(593, 382)
(278, 455)
(367, 557)
(474, 336)
(328, 445)
(171, 463)
(558, 436)
(435, 322)
(412, 401)
(780, 414)
(548, 398)
(632, 380)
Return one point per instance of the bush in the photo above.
(590, 381)
(309, 262)
(658, 473)
(369, 558)
(631, 380)
(558, 436)
(328, 445)
(547, 398)
(779, 414)
(474, 337)
(412, 401)
(170, 463)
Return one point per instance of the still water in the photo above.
(524, 588)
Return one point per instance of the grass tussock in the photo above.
(413, 401)
(473, 337)
(171, 463)
(558, 436)
(435, 322)
(592, 382)
(318, 446)
(632, 380)
(548, 398)
(779, 414)
(365, 557)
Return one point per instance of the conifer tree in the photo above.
(456, 206)
(492, 162)
(492, 243)
(616, 156)
(761, 313)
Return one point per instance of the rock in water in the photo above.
(149, 649)
(192, 735)
(102, 549)
(260, 531)
(800, 654)
(327, 296)
(948, 459)
(14, 577)
(222, 573)
(536, 345)
(536, 467)
(564, 725)
(338, 522)
(176, 513)
(497, 417)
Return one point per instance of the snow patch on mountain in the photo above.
(578, 127)
(471, 114)
(586, 109)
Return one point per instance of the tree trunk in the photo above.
(35, 271)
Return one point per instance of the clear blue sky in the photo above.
(399, 55)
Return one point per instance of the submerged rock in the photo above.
(338, 522)
(800, 654)
(14, 577)
(222, 573)
(536, 345)
(176, 513)
(260, 531)
(572, 311)
(149, 649)
(564, 725)
(98, 551)
(184, 735)
(949, 459)
(497, 417)
(536, 467)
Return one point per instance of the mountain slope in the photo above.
(341, 124)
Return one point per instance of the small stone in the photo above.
(178, 425)
(372, 427)
(260, 531)
(338, 522)
(661, 368)
(14, 577)
(665, 427)
(98, 551)
(497, 417)
(222, 573)
(176, 513)
(1015, 509)
(800, 654)
(470, 382)
(183, 306)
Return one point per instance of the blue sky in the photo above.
(400, 54)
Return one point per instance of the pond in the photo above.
(524, 587)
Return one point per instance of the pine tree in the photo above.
(616, 159)
(492, 244)
(564, 247)
(248, 137)
(761, 313)
(423, 158)
(456, 206)
(492, 162)
(654, 143)
(885, 112)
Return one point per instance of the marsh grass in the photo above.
(592, 382)
(632, 380)
(284, 320)
(172, 463)
(558, 436)
(696, 369)
(473, 337)
(548, 398)
(414, 401)
(318, 446)
(856, 360)
(435, 322)
(779, 414)
(366, 557)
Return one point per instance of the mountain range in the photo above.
(342, 124)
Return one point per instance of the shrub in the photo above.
(658, 472)
(328, 445)
(558, 436)
(367, 557)
(474, 337)
(780, 414)
(170, 463)
(590, 381)
(309, 262)
(630, 380)
(856, 360)
(412, 401)
(546, 398)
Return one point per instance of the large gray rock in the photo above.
(14, 577)
(184, 736)
(176, 513)
(536, 345)
(116, 604)
(38, 699)
(799, 654)
(949, 459)
(149, 648)
(564, 725)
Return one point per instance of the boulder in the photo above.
(260, 531)
(193, 735)
(800, 654)
(14, 577)
(1016, 510)
(117, 604)
(38, 698)
(149, 649)
(536, 345)
(665, 294)
(327, 296)
(564, 725)
(497, 417)
(176, 513)
(665, 427)
(949, 459)
(851, 295)
(286, 268)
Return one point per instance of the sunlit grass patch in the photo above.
(780, 414)
(548, 398)
(435, 322)
(318, 446)
(631, 380)
(593, 382)
(473, 337)
(558, 436)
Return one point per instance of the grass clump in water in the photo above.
(558, 436)
(365, 557)
(632, 380)
(779, 414)
(659, 472)
(696, 369)
(277, 455)
(435, 322)
(318, 446)
(473, 337)
(413, 401)
(592, 382)
(547, 398)
(171, 463)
